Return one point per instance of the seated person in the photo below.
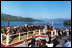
(67, 43)
(36, 44)
(44, 41)
(42, 45)
(24, 29)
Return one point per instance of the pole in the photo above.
(52, 22)
(7, 40)
(7, 36)
(8, 21)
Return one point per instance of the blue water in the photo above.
(55, 24)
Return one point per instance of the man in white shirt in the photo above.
(49, 45)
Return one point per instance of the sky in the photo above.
(37, 9)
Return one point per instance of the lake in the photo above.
(55, 24)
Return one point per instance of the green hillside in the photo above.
(67, 22)
(4, 17)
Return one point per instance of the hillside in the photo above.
(55, 20)
(4, 17)
(67, 22)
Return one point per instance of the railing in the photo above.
(7, 36)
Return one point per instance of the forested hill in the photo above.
(4, 17)
(67, 22)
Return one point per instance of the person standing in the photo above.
(10, 31)
(67, 43)
(47, 26)
(49, 36)
(56, 42)
(69, 32)
(43, 26)
(33, 39)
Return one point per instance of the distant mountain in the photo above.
(57, 19)
(67, 22)
(4, 17)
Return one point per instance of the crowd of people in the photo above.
(61, 34)
(19, 29)
(43, 43)
(51, 43)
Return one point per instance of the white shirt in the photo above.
(30, 45)
(49, 45)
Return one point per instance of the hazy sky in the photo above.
(37, 9)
